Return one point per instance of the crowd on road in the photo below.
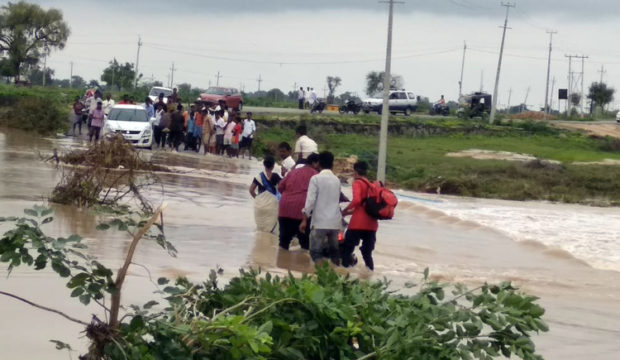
(309, 198)
(306, 99)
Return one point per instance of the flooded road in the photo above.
(209, 220)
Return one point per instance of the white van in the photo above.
(133, 123)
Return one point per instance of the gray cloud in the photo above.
(584, 9)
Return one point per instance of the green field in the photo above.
(419, 163)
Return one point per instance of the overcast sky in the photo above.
(288, 42)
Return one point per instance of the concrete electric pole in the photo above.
(217, 77)
(462, 70)
(551, 33)
(385, 112)
(138, 61)
(499, 63)
(172, 69)
(259, 80)
(602, 72)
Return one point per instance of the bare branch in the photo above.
(120, 278)
(44, 308)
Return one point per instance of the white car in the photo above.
(133, 123)
(399, 101)
(156, 90)
(618, 117)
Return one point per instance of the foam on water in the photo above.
(588, 233)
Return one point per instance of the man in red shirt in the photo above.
(362, 226)
(293, 189)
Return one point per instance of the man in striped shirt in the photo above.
(293, 189)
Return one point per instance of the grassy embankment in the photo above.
(38, 109)
(420, 162)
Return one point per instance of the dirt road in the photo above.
(599, 128)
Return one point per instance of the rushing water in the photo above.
(563, 253)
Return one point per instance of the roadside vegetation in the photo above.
(38, 109)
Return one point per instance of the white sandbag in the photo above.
(266, 212)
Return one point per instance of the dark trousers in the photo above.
(157, 134)
(352, 239)
(162, 140)
(94, 132)
(289, 228)
(176, 137)
(301, 103)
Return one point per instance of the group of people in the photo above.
(309, 203)
(218, 129)
(92, 112)
(306, 98)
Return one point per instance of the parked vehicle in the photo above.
(439, 109)
(477, 104)
(350, 106)
(132, 122)
(156, 90)
(214, 94)
(318, 107)
(618, 117)
(399, 101)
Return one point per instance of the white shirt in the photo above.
(305, 146)
(93, 104)
(300, 94)
(312, 97)
(220, 124)
(225, 116)
(249, 128)
(288, 163)
(107, 105)
(323, 201)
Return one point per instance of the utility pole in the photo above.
(385, 113)
(260, 80)
(602, 72)
(71, 75)
(217, 77)
(324, 92)
(583, 64)
(552, 92)
(138, 61)
(551, 33)
(462, 70)
(573, 83)
(481, 80)
(527, 94)
(499, 62)
(172, 69)
(509, 98)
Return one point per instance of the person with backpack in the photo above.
(362, 226)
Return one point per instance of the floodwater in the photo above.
(565, 254)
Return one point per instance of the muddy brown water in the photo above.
(210, 221)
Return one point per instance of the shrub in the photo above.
(35, 114)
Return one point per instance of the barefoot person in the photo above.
(96, 122)
(323, 205)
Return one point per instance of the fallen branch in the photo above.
(44, 308)
(120, 278)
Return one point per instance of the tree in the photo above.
(275, 95)
(374, 82)
(575, 99)
(27, 33)
(78, 82)
(601, 95)
(121, 76)
(332, 83)
(36, 76)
